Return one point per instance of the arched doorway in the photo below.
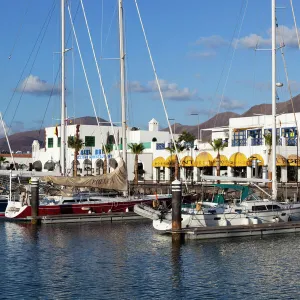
(37, 166)
(87, 167)
(99, 166)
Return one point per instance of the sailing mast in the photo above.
(274, 133)
(63, 104)
(122, 82)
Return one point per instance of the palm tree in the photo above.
(268, 143)
(218, 145)
(186, 137)
(106, 150)
(136, 149)
(2, 160)
(75, 143)
(172, 150)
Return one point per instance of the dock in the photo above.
(101, 217)
(237, 231)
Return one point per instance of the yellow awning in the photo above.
(238, 159)
(170, 161)
(255, 156)
(292, 160)
(280, 161)
(158, 162)
(203, 159)
(187, 161)
(224, 162)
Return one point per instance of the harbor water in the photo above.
(131, 261)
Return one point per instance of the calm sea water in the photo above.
(131, 261)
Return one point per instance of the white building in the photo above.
(90, 160)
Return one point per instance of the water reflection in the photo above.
(130, 261)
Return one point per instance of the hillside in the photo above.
(23, 140)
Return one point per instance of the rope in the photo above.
(294, 17)
(231, 62)
(159, 88)
(100, 80)
(84, 71)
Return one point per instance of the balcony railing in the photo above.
(291, 141)
(256, 142)
(241, 142)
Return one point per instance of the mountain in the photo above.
(23, 140)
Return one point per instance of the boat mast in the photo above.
(63, 104)
(274, 133)
(122, 82)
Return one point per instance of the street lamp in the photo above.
(197, 114)
(174, 123)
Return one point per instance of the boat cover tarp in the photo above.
(116, 180)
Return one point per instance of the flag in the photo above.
(56, 131)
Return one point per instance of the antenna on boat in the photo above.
(63, 103)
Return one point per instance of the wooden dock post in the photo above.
(34, 201)
(176, 211)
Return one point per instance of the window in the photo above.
(273, 207)
(259, 208)
(90, 141)
(289, 132)
(58, 142)
(269, 131)
(50, 142)
(239, 138)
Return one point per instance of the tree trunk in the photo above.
(270, 167)
(75, 163)
(176, 167)
(105, 165)
(136, 167)
(218, 165)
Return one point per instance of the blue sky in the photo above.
(203, 52)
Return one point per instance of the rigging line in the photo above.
(109, 28)
(296, 28)
(102, 15)
(231, 61)
(159, 88)
(225, 60)
(100, 79)
(34, 60)
(85, 74)
(27, 62)
(57, 74)
(19, 31)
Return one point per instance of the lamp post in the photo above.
(197, 114)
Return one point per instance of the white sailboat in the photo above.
(117, 180)
(249, 210)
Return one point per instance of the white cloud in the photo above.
(170, 91)
(35, 86)
(214, 41)
(284, 34)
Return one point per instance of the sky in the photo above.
(203, 51)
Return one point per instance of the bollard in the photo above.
(34, 201)
(176, 204)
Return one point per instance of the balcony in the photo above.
(291, 141)
(256, 141)
(240, 142)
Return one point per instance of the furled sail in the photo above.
(116, 180)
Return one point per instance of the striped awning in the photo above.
(158, 162)
(203, 159)
(224, 162)
(258, 157)
(187, 161)
(238, 159)
(293, 160)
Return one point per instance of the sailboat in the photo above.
(245, 210)
(117, 180)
